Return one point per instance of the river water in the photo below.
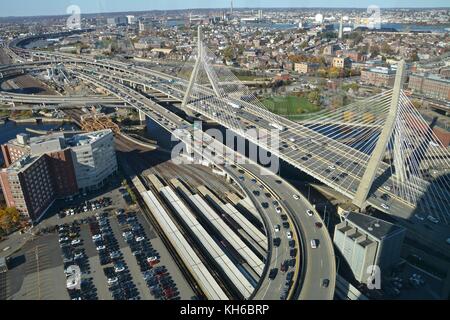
(9, 130)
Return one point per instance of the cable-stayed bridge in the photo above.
(373, 151)
(378, 152)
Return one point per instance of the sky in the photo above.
(59, 7)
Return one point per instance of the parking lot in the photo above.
(37, 272)
(112, 266)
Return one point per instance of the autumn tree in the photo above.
(9, 218)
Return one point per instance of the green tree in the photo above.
(314, 97)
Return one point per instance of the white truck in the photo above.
(277, 126)
(234, 105)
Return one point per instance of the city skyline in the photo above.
(21, 8)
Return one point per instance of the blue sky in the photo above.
(58, 7)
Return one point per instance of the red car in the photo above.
(284, 266)
(319, 225)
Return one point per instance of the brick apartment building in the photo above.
(27, 185)
(52, 167)
(431, 85)
(379, 77)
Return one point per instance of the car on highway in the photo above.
(387, 188)
(279, 210)
(289, 235)
(276, 242)
(319, 225)
(277, 228)
(419, 217)
(284, 266)
(293, 253)
(385, 206)
(325, 283)
(433, 219)
(314, 243)
(273, 274)
(385, 197)
(309, 213)
(296, 197)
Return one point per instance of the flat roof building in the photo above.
(306, 67)
(27, 186)
(379, 77)
(431, 85)
(366, 241)
(53, 166)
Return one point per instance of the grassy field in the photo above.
(290, 105)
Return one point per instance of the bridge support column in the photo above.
(142, 117)
(366, 184)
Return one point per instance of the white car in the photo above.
(433, 219)
(292, 140)
(277, 228)
(79, 255)
(119, 268)
(96, 237)
(76, 242)
(61, 240)
(332, 167)
(296, 197)
(101, 248)
(152, 259)
(289, 235)
(388, 188)
(140, 239)
(309, 213)
(278, 210)
(115, 255)
(127, 234)
(314, 244)
(112, 280)
(419, 217)
(385, 206)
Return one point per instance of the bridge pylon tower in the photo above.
(200, 64)
(379, 152)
